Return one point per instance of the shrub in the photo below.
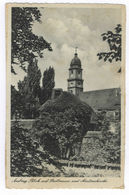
(28, 158)
(106, 148)
(63, 123)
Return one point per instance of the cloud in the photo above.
(68, 28)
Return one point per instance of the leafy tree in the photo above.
(23, 150)
(28, 157)
(114, 41)
(25, 45)
(104, 148)
(29, 90)
(62, 124)
(48, 84)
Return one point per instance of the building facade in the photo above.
(104, 100)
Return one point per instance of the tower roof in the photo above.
(75, 61)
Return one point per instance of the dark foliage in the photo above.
(28, 157)
(112, 145)
(26, 101)
(111, 141)
(25, 44)
(48, 84)
(24, 155)
(114, 41)
(103, 147)
(63, 123)
(29, 90)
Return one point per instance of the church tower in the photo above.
(75, 81)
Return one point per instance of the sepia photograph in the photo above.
(65, 95)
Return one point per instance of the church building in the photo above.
(107, 100)
(103, 100)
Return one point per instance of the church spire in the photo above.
(76, 50)
(75, 81)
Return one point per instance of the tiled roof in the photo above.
(109, 99)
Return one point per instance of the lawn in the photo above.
(90, 172)
(52, 171)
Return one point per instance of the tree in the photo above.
(62, 124)
(114, 41)
(48, 84)
(29, 90)
(28, 157)
(25, 45)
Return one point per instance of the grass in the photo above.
(52, 171)
(90, 172)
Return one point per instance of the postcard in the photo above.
(65, 123)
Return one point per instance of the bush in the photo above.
(112, 145)
(24, 157)
(62, 125)
(28, 158)
(106, 148)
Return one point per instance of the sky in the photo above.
(67, 28)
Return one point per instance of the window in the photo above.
(71, 73)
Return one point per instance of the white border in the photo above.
(3, 102)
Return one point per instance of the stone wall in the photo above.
(91, 150)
